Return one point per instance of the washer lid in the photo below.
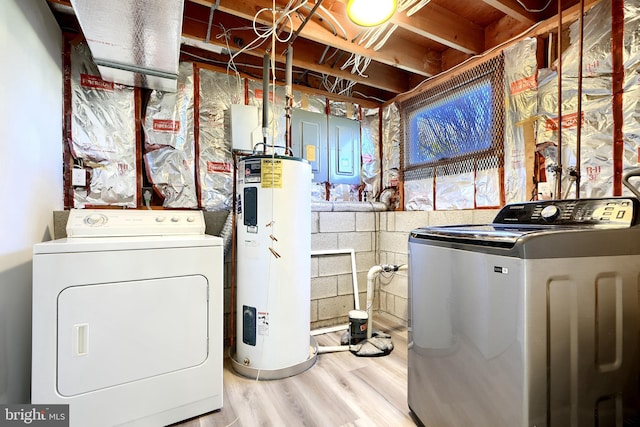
(488, 235)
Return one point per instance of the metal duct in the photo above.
(134, 42)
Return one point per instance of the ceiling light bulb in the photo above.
(369, 13)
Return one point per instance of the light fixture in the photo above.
(369, 13)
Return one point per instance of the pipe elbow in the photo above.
(374, 271)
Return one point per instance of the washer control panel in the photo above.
(615, 211)
(130, 222)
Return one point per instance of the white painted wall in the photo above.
(30, 173)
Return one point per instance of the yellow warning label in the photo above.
(271, 173)
(311, 153)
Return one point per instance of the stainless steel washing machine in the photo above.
(531, 320)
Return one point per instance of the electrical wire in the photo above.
(534, 10)
(362, 95)
(263, 33)
(377, 37)
(382, 42)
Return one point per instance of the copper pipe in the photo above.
(306, 20)
(579, 118)
(559, 158)
(617, 48)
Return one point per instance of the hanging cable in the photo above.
(534, 10)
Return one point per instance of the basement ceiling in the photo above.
(423, 39)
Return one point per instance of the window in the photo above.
(454, 125)
(457, 126)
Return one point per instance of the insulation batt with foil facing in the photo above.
(104, 137)
(596, 154)
(169, 142)
(532, 95)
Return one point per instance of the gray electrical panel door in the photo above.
(309, 141)
(344, 151)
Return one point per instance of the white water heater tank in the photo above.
(273, 264)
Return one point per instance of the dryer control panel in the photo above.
(111, 222)
(610, 212)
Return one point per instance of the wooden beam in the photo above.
(502, 30)
(551, 24)
(513, 9)
(442, 26)
(305, 54)
(322, 32)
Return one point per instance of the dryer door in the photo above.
(114, 333)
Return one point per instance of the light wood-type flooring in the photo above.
(341, 389)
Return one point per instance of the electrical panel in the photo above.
(344, 150)
(330, 144)
(309, 141)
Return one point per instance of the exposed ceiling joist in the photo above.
(435, 36)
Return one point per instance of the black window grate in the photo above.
(456, 126)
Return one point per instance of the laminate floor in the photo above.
(341, 389)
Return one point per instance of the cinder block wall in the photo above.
(331, 275)
(377, 238)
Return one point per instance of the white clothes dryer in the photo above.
(128, 318)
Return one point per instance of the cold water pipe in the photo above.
(371, 277)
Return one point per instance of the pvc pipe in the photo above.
(332, 348)
(329, 329)
(289, 96)
(265, 99)
(371, 277)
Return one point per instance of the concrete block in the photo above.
(345, 284)
(315, 220)
(336, 222)
(451, 217)
(398, 285)
(362, 281)
(338, 307)
(383, 220)
(366, 221)
(360, 241)
(362, 299)
(394, 242)
(314, 311)
(323, 241)
(401, 308)
(324, 287)
(391, 221)
(385, 257)
(364, 261)
(484, 216)
(382, 301)
(402, 259)
(329, 265)
(314, 266)
(410, 220)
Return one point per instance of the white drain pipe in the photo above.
(371, 277)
